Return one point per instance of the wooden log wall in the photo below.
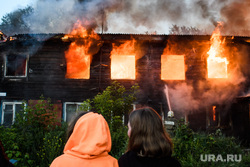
(47, 66)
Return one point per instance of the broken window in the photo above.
(15, 65)
(172, 67)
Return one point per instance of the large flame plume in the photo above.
(78, 56)
(217, 62)
(123, 61)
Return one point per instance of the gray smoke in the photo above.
(136, 16)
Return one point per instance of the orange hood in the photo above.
(88, 144)
(90, 137)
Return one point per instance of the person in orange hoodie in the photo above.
(88, 145)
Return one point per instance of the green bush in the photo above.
(28, 139)
(190, 146)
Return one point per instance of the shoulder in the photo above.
(125, 158)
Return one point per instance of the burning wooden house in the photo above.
(204, 79)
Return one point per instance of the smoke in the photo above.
(59, 16)
(189, 97)
(181, 98)
(236, 17)
(248, 93)
(126, 16)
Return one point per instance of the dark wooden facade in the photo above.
(46, 69)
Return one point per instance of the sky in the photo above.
(11, 5)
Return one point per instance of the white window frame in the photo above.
(13, 109)
(65, 108)
(26, 67)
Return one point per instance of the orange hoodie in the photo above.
(88, 144)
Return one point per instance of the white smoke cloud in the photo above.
(181, 98)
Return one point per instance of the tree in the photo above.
(114, 102)
(13, 23)
(183, 30)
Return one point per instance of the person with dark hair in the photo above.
(89, 143)
(4, 160)
(149, 143)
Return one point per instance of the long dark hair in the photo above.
(148, 136)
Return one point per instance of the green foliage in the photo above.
(35, 135)
(114, 101)
(119, 142)
(53, 144)
(189, 146)
(86, 106)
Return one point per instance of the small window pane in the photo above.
(19, 108)
(70, 111)
(16, 65)
(8, 115)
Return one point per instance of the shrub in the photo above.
(28, 139)
(189, 146)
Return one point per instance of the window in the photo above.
(15, 66)
(70, 109)
(123, 67)
(172, 67)
(9, 111)
(213, 116)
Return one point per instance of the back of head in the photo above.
(148, 136)
(90, 137)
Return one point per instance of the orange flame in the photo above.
(214, 113)
(123, 61)
(77, 56)
(172, 67)
(216, 63)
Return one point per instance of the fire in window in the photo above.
(214, 116)
(78, 62)
(217, 62)
(123, 61)
(80, 52)
(172, 67)
(15, 65)
(123, 67)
